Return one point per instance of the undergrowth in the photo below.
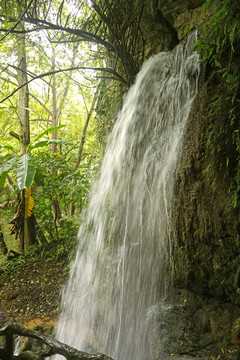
(52, 253)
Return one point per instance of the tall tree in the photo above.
(27, 224)
(23, 112)
(82, 141)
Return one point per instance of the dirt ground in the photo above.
(31, 294)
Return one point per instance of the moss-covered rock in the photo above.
(206, 229)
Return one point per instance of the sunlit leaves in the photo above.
(48, 131)
(5, 168)
(7, 147)
(26, 171)
(43, 143)
(3, 177)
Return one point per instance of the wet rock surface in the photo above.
(207, 248)
(193, 326)
(207, 251)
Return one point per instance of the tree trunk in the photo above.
(23, 112)
(3, 246)
(54, 202)
(27, 232)
(57, 109)
(56, 113)
(80, 149)
(54, 104)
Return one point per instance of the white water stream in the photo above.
(124, 244)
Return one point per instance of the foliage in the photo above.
(51, 178)
(25, 164)
(11, 265)
(52, 253)
(107, 107)
(58, 184)
(219, 47)
(219, 41)
(59, 38)
(222, 145)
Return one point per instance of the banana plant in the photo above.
(24, 165)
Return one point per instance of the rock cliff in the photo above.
(206, 229)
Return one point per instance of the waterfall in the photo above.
(121, 270)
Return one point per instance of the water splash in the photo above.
(124, 246)
(17, 346)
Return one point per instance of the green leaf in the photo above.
(26, 171)
(232, 33)
(3, 158)
(5, 168)
(11, 107)
(230, 78)
(38, 144)
(39, 176)
(3, 179)
(46, 142)
(48, 131)
(9, 147)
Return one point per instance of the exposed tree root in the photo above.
(53, 346)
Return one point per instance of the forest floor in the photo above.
(30, 293)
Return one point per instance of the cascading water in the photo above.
(124, 247)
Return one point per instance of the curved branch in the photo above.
(18, 21)
(111, 71)
(12, 133)
(84, 35)
(12, 31)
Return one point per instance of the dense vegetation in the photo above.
(53, 116)
(65, 66)
(219, 48)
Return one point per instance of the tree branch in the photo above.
(80, 150)
(12, 133)
(111, 71)
(18, 21)
(18, 31)
(83, 35)
(39, 119)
